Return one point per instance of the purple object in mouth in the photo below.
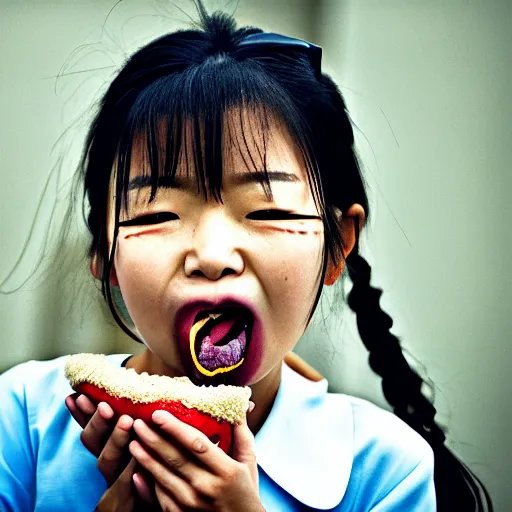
(185, 318)
(213, 356)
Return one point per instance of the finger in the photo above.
(114, 455)
(244, 444)
(172, 456)
(143, 487)
(85, 404)
(195, 442)
(120, 496)
(77, 414)
(166, 502)
(184, 494)
(105, 411)
(98, 429)
(126, 476)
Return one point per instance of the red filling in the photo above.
(216, 430)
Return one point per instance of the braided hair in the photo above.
(457, 488)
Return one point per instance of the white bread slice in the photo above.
(228, 403)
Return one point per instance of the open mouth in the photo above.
(219, 339)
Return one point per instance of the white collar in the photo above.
(306, 445)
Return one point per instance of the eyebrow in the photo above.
(188, 183)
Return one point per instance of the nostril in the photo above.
(225, 272)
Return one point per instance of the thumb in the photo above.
(244, 445)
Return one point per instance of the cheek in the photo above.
(143, 256)
(292, 269)
(143, 270)
(294, 251)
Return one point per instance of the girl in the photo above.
(220, 168)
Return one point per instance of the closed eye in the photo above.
(158, 218)
(153, 218)
(278, 215)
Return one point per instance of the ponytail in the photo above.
(457, 488)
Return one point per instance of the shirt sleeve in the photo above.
(414, 491)
(17, 459)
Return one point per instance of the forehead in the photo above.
(252, 140)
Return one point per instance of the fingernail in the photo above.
(252, 405)
(125, 422)
(85, 405)
(105, 410)
(160, 417)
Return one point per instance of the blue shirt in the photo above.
(316, 450)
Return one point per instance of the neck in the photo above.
(263, 395)
(263, 392)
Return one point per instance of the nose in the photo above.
(215, 251)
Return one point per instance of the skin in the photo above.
(213, 249)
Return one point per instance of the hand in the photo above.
(119, 497)
(108, 440)
(192, 473)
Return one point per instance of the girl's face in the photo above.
(205, 250)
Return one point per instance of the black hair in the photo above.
(197, 75)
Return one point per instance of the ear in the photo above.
(96, 267)
(346, 226)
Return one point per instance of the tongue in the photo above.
(221, 330)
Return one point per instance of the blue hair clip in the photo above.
(269, 40)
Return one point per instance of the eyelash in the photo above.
(273, 214)
(154, 218)
(157, 218)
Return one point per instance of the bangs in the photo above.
(185, 124)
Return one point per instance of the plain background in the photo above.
(427, 84)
